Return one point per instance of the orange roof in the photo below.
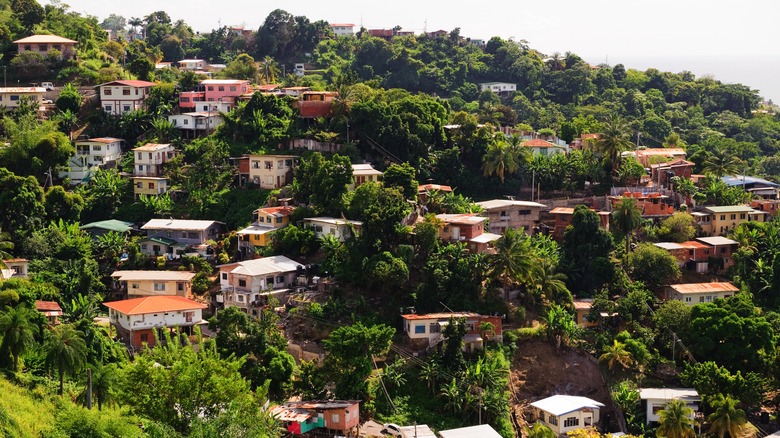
(694, 288)
(151, 147)
(15, 260)
(584, 136)
(666, 152)
(442, 315)
(154, 304)
(41, 39)
(284, 210)
(438, 187)
(692, 244)
(104, 139)
(584, 304)
(47, 305)
(539, 143)
(562, 210)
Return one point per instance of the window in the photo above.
(733, 216)
(524, 212)
(185, 99)
(723, 217)
(280, 164)
(139, 184)
(701, 299)
(434, 327)
(687, 299)
(42, 47)
(151, 185)
(211, 88)
(144, 337)
(186, 122)
(723, 250)
(242, 283)
(241, 298)
(125, 91)
(221, 88)
(419, 329)
(14, 97)
(571, 421)
(27, 47)
(193, 235)
(135, 286)
(268, 219)
(232, 88)
(280, 279)
(139, 156)
(552, 419)
(269, 165)
(690, 252)
(255, 164)
(141, 167)
(126, 108)
(742, 216)
(335, 418)
(159, 286)
(106, 91)
(278, 220)
(96, 148)
(709, 298)
(183, 234)
(180, 286)
(143, 246)
(224, 275)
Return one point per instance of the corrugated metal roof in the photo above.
(414, 316)
(500, 203)
(154, 304)
(686, 394)
(485, 238)
(332, 221)
(717, 241)
(265, 266)
(152, 147)
(583, 304)
(130, 83)
(438, 187)
(41, 39)
(563, 404)
(22, 90)
(466, 218)
(177, 224)
(697, 288)
(153, 275)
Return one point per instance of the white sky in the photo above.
(668, 34)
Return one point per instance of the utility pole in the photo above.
(89, 388)
(533, 183)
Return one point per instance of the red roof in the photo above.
(539, 143)
(131, 83)
(48, 306)
(584, 304)
(562, 210)
(154, 304)
(442, 315)
(284, 210)
(693, 288)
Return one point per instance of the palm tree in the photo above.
(67, 121)
(676, 421)
(548, 283)
(626, 217)
(17, 331)
(456, 398)
(616, 354)
(720, 162)
(513, 261)
(269, 69)
(727, 418)
(5, 246)
(486, 330)
(103, 380)
(560, 324)
(430, 372)
(500, 159)
(615, 138)
(539, 430)
(135, 22)
(66, 351)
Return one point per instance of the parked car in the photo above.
(47, 85)
(393, 430)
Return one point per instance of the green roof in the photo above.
(729, 209)
(162, 240)
(109, 225)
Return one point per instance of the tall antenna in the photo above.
(425, 26)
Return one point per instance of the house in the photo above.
(695, 293)
(267, 171)
(725, 218)
(342, 29)
(225, 90)
(754, 185)
(423, 190)
(42, 44)
(768, 205)
(655, 400)
(119, 97)
(362, 173)
(563, 216)
(425, 330)
(469, 228)
(502, 89)
(264, 221)
(214, 107)
(314, 104)
(692, 255)
(194, 123)
(14, 268)
(662, 173)
(136, 320)
(565, 413)
(586, 141)
(99, 228)
(10, 97)
(175, 236)
(188, 99)
(92, 154)
(651, 204)
(542, 147)
(248, 284)
(294, 91)
(149, 186)
(336, 416)
(582, 307)
(722, 248)
(341, 229)
(50, 309)
(192, 65)
(654, 155)
(479, 431)
(504, 213)
(149, 158)
(137, 284)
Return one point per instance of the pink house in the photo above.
(225, 90)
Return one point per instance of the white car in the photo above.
(393, 430)
(47, 85)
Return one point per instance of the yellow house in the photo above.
(363, 173)
(138, 284)
(583, 306)
(10, 97)
(149, 186)
(725, 218)
(264, 221)
(267, 171)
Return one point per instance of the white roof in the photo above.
(668, 245)
(717, 240)
(177, 224)
(364, 169)
(191, 60)
(419, 431)
(331, 221)
(257, 230)
(481, 431)
(498, 203)
(223, 81)
(265, 266)
(688, 394)
(485, 238)
(563, 404)
(153, 275)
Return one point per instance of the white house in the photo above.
(362, 173)
(196, 121)
(119, 97)
(343, 29)
(656, 399)
(429, 327)
(150, 158)
(338, 228)
(501, 88)
(91, 154)
(192, 64)
(15, 268)
(564, 413)
(247, 284)
(696, 293)
(10, 97)
(174, 237)
(137, 319)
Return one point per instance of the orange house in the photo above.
(652, 204)
(563, 217)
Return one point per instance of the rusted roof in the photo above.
(466, 218)
(48, 306)
(539, 143)
(439, 187)
(414, 316)
(562, 210)
(151, 147)
(277, 211)
(583, 304)
(322, 404)
(154, 304)
(664, 152)
(697, 288)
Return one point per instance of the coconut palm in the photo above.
(549, 283)
(727, 419)
(135, 22)
(103, 381)
(720, 162)
(626, 216)
(66, 351)
(676, 421)
(513, 260)
(5, 246)
(17, 331)
(539, 430)
(269, 70)
(67, 121)
(500, 159)
(616, 354)
(615, 138)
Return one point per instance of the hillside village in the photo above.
(316, 229)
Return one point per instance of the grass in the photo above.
(26, 412)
